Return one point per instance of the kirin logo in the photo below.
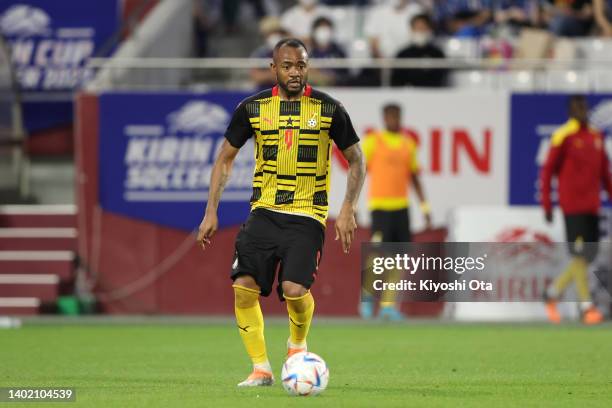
(198, 118)
(25, 21)
(524, 245)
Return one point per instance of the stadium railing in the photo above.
(560, 74)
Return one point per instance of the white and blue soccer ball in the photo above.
(305, 374)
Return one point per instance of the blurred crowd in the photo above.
(400, 29)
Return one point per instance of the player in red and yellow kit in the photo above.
(578, 158)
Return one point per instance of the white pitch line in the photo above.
(36, 256)
(35, 209)
(19, 302)
(38, 232)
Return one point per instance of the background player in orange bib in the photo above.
(393, 166)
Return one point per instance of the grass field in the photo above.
(371, 365)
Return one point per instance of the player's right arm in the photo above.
(220, 174)
(238, 132)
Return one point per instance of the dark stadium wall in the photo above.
(134, 263)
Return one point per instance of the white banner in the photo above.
(463, 145)
(506, 224)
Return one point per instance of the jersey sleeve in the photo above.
(368, 145)
(239, 129)
(606, 177)
(551, 167)
(341, 130)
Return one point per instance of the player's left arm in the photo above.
(343, 134)
(415, 172)
(420, 192)
(346, 224)
(606, 177)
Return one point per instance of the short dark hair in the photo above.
(575, 98)
(424, 17)
(322, 20)
(289, 42)
(391, 106)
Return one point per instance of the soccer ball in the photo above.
(305, 374)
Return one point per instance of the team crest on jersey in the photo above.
(312, 122)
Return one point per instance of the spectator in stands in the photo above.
(346, 2)
(298, 19)
(518, 13)
(205, 13)
(602, 10)
(386, 26)
(324, 46)
(231, 12)
(422, 46)
(463, 18)
(272, 32)
(569, 18)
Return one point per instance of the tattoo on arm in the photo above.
(217, 185)
(356, 173)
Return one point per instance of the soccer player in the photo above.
(578, 158)
(392, 162)
(293, 126)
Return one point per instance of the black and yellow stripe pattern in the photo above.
(292, 153)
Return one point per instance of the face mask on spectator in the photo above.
(308, 3)
(323, 35)
(273, 39)
(420, 38)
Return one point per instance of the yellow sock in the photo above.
(368, 279)
(300, 311)
(250, 323)
(565, 278)
(389, 297)
(582, 281)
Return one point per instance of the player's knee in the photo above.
(245, 297)
(293, 290)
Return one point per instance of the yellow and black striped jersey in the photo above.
(292, 148)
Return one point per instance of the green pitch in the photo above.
(371, 365)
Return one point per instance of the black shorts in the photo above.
(391, 226)
(582, 228)
(269, 240)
